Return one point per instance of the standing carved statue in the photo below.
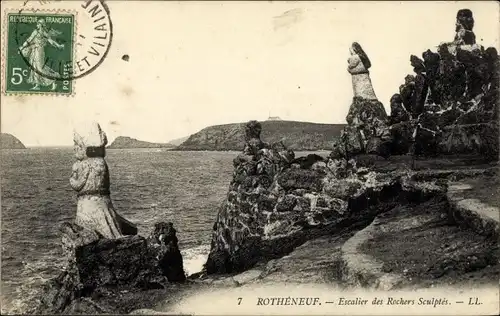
(90, 179)
(367, 131)
(359, 63)
(463, 28)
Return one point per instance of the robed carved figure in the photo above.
(90, 179)
(359, 63)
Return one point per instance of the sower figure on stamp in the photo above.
(90, 178)
(34, 50)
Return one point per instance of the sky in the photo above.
(196, 64)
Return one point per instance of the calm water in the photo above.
(147, 186)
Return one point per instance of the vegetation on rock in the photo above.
(295, 135)
(128, 142)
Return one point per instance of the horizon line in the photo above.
(167, 142)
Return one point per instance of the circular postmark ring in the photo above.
(93, 49)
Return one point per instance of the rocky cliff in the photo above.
(295, 135)
(128, 142)
(8, 141)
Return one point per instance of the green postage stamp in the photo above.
(39, 53)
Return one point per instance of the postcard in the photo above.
(250, 157)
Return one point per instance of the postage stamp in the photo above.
(40, 52)
(47, 45)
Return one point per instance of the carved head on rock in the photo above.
(89, 141)
(358, 61)
(164, 233)
(417, 64)
(463, 28)
(465, 20)
(252, 130)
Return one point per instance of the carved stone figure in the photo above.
(407, 90)
(164, 242)
(420, 94)
(399, 113)
(252, 138)
(367, 129)
(359, 63)
(90, 179)
(452, 75)
(417, 64)
(463, 28)
(431, 63)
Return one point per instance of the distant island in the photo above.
(122, 142)
(8, 141)
(295, 135)
(178, 141)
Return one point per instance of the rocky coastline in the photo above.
(8, 141)
(303, 136)
(124, 142)
(327, 219)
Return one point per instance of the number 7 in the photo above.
(239, 300)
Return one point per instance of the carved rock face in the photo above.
(463, 27)
(398, 112)
(164, 244)
(90, 141)
(356, 49)
(417, 63)
(465, 19)
(252, 130)
(355, 66)
(79, 152)
(164, 233)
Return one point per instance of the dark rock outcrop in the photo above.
(275, 203)
(8, 141)
(451, 105)
(164, 242)
(95, 264)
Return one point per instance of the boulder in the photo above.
(164, 244)
(93, 263)
(363, 111)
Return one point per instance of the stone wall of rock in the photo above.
(277, 202)
(450, 104)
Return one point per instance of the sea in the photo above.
(147, 186)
